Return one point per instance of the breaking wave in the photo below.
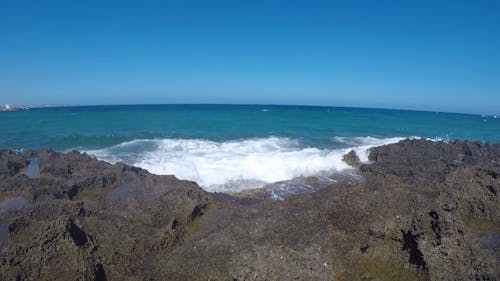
(239, 164)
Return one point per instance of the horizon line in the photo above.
(241, 104)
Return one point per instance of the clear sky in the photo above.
(430, 55)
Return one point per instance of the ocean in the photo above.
(234, 147)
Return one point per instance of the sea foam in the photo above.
(239, 164)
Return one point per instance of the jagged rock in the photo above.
(77, 236)
(351, 159)
(423, 211)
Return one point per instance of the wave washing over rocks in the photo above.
(233, 166)
(423, 211)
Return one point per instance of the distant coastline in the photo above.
(13, 108)
(8, 107)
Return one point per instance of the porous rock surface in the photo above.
(423, 211)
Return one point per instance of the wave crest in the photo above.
(222, 166)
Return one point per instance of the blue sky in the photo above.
(430, 55)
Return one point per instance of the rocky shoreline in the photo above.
(423, 211)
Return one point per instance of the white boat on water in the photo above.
(7, 107)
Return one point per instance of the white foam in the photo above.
(361, 145)
(222, 166)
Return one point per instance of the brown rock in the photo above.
(352, 159)
(423, 211)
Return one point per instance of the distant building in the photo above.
(9, 108)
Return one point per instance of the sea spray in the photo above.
(238, 164)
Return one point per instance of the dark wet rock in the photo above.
(99, 273)
(301, 185)
(351, 159)
(75, 233)
(410, 244)
(364, 248)
(420, 210)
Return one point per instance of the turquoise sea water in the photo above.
(101, 126)
(231, 146)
